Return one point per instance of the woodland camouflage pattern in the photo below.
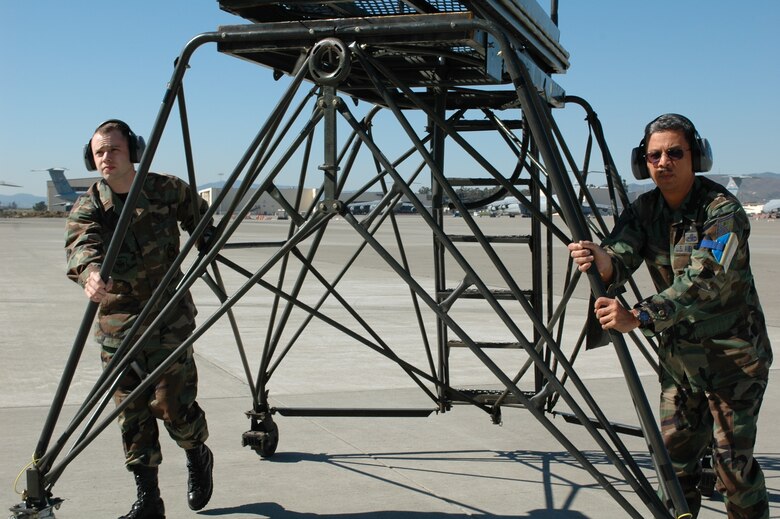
(171, 399)
(150, 246)
(713, 344)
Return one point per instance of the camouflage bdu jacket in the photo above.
(149, 248)
(706, 313)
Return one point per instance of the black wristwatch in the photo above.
(645, 321)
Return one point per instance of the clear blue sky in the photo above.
(66, 66)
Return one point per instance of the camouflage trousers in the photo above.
(691, 420)
(170, 399)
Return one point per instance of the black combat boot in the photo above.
(200, 463)
(149, 504)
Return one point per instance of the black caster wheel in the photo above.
(263, 438)
(268, 442)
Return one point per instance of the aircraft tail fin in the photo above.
(734, 184)
(61, 184)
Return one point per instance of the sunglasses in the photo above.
(654, 157)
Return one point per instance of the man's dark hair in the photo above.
(672, 122)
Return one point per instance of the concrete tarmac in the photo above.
(452, 465)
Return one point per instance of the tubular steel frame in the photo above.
(331, 57)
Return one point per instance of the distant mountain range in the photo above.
(22, 200)
(756, 188)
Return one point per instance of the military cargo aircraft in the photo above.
(65, 191)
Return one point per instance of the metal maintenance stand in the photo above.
(441, 76)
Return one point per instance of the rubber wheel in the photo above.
(269, 442)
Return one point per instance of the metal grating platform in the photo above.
(435, 43)
(265, 11)
(524, 17)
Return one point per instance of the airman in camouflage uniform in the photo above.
(714, 350)
(149, 248)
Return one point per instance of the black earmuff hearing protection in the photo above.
(135, 144)
(701, 153)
